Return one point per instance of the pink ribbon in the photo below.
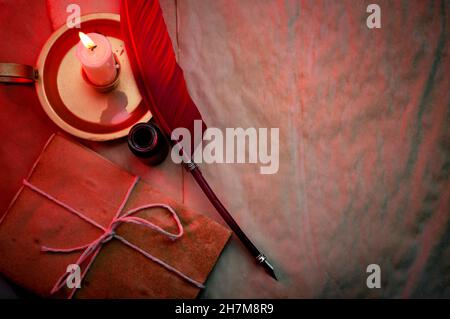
(93, 248)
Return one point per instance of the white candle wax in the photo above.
(97, 59)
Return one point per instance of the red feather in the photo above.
(159, 77)
(162, 86)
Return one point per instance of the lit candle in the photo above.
(95, 54)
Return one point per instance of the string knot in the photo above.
(108, 236)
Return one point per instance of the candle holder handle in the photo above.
(15, 73)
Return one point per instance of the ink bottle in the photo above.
(148, 143)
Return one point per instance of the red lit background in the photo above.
(364, 137)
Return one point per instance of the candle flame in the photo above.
(87, 42)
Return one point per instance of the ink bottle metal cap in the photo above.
(148, 143)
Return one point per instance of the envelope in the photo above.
(78, 178)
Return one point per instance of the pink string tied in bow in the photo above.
(92, 249)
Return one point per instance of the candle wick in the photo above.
(93, 47)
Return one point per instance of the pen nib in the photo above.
(269, 269)
(267, 266)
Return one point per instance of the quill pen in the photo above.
(161, 83)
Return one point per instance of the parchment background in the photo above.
(364, 138)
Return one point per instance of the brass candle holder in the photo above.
(77, 106)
